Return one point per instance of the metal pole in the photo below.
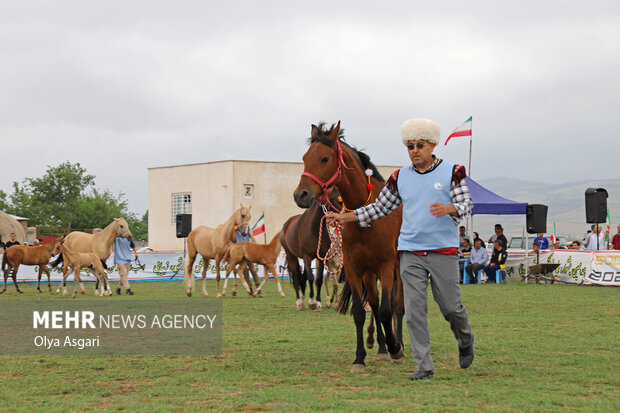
(469, 168)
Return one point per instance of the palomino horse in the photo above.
(369, 253)
(22, 254)
(75, 261)
(99, 244)
(300, 238)
(212, 243)
(246, 253)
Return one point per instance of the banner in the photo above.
(576, 267)
(151, 266)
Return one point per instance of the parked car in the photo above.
(519, 242)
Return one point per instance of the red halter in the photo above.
(324, 199)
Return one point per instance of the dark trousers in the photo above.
(491, 270)
(472, 270)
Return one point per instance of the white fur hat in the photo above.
(420, 129)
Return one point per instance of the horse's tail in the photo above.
(103, 264)
(58, 261)
(226, 257)
(344, 302)
(4, 262)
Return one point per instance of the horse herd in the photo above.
(336, 175)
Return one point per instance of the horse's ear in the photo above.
(314, 131)
(250, 207)
(241, 205)
(335, 132)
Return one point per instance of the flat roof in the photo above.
(241, 160)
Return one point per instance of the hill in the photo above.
(566, 202)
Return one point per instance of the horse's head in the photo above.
(56, 245)
(322, 165)
(122, 228)
(242, 218)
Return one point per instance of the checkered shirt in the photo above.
(389, 199)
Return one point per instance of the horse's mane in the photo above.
(322, 136)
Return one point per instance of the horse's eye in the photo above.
(325, 159)
(242, 216)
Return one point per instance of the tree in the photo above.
(51, 199)
(98, 209)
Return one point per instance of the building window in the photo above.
(181, 204)
(248, 191)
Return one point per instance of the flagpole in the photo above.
(469, 168)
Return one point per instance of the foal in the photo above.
(76, 261)
(246, 253)
(24, 255)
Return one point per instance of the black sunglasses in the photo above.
(419, 145)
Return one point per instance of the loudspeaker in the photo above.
(184, 225)
(596, 205)
(536, 219)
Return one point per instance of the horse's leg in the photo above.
(310, 277)
(217, 278)
(256, 279)
(260, 287)
(14, 275)
(370, 338)
(49, 283)
(39, 280)
(385, 316)
(228, 270)
(359, 317)
(326, 279)
(76, 280)
(320, 267)
(6, 275)
(241, 270)
(370, 284)
(189, 273)
(335, 278)
(272, 268)
(204, 277)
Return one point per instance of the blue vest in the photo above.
(240, 237)
(420, 230)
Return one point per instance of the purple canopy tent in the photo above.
(486, 202)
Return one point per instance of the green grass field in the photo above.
(538, 348)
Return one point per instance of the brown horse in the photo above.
(99, 244)
(212, 243)
(22, 254)
(75, 261)
(300, 239)
(246, 253)
(369, 253)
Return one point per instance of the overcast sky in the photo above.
(124, 86)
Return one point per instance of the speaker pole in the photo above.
(596, 219)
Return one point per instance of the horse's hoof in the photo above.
(382, 357)
(312, 305)
(234, 293)
(219, 296)
(358, 368)
(398, 355)
(20, 291)
(370, 345)
(82, 292)
(107, 294)
(328, 303)
(399, 361)
(259, 294)
(66, 294)
(318, 309)
(189, 293)
(205, 295)
(96, 293)
(282, 295)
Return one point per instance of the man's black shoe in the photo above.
(466, 355)
(421, 375)
(118, 291)
(129, 292)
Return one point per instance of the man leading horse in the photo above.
(435, 199)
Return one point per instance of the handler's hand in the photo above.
(333, 217)
(439, 210)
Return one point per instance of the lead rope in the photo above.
(335, 248)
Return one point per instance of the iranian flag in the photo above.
(463, 130)
(608, 222)
(259, 227)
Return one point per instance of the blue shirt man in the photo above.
(122, 258)
(543, 242)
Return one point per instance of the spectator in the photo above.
(36, 242)
(615, 243)
(557, 245)
(495, 235)
(499, 235)
(463, 256)
(498, 261)
(12, 241)
(596, 242)
(536, 248)
(476, 237)
(477, 260)
(543, 242)
(462, 236)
